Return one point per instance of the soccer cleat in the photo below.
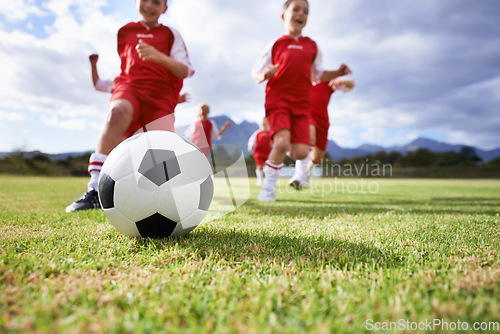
(295, 183)
(266, 196)
(259, 182)
(89, 200)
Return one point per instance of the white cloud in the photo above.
(419, 67)
(341, 135)
(20, 10)
(12, 116)
(77, 124)
(52, 75)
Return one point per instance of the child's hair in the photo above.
(200, 108)
(288, 2)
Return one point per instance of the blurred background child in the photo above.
(320, 123)
(260, 144)
(204, 130)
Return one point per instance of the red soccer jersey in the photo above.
(320, 98)
(148, 76)
(291, 84)
(260, 141)
(201, 133)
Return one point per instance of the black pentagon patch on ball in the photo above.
(206, 194)
(106, 191)
(159, 166)
(156, 226)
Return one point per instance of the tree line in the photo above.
(424, 158)
(466, 158)
(42, 164)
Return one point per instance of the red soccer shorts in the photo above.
(298, 124)
(147, 108)
(321, 133)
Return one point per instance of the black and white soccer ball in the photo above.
(156, 184)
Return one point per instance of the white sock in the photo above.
(271, 172)
(94, 180)
(260, 175)
(95, 165)
(310, 165)
(301, 167)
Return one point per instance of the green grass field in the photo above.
(345, 256)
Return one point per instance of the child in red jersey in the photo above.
(106, 86)
(319, 125)
(260, 143)
(289, 63)
(204, 129)
(154, 61)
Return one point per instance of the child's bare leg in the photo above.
(165, 123)
(281, 145)
(299, 151)
(118, 119)
(317, 155)
(312, 135)
(299, 178)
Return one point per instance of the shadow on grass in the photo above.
(261, 249)
(487, 206)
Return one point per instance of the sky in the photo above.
(422, 68)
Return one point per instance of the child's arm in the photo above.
(344, 83)
(216, 133)
(264, 68)
(184, 98)
(93, 64)
(327, 76)
(252, 141)
(264, 75)
(100, 85)
(150, 53)
(223, 129)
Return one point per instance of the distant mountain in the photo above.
(370, 148)
(238, 135)
(337, 152)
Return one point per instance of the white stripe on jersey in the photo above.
(179, 51)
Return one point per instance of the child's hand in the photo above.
(343, 83)
(147, 52)
(344, 70)
(269, 71)
(226, 125)
(94, 58)
(184, 98)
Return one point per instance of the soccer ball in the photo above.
(155, 185)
